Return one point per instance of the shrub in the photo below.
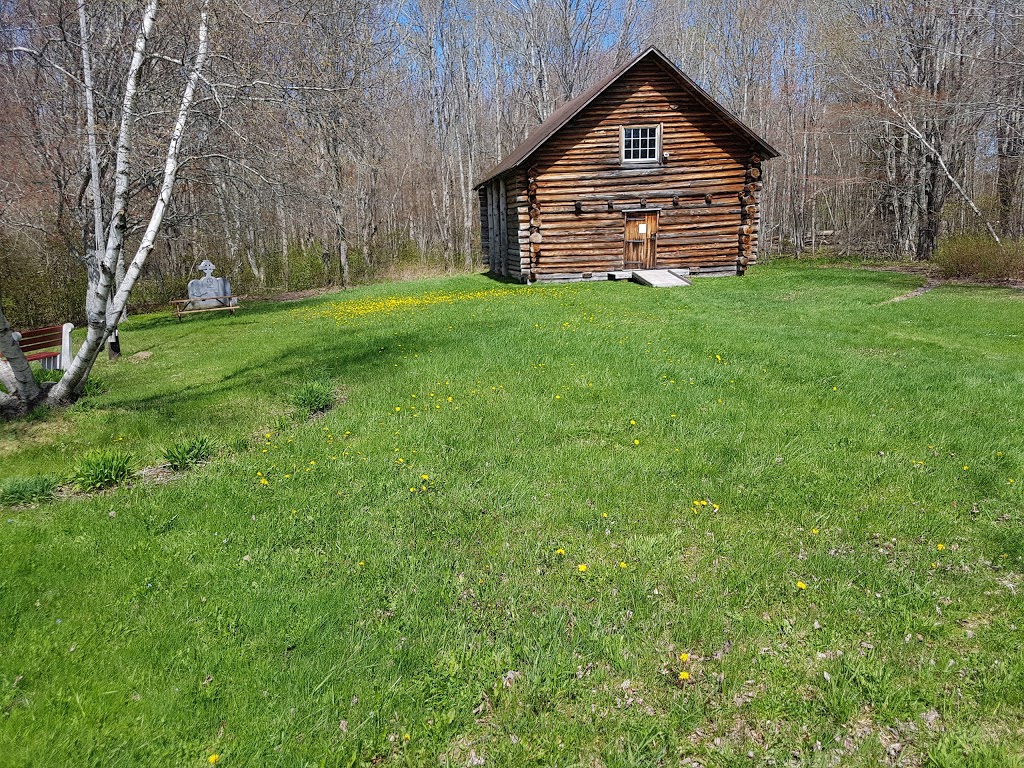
(313, 397)
(189, 451)
(103, 469)
(44, 374)
(94, 385)
(979, 256)
(16, 491)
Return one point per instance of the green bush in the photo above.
(189, 451)
(313, 397)
(16, 491)
(42, 374)
(979, 256)
(103, 469)
(94, 385)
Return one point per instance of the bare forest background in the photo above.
(337, 141)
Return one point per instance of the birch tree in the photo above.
(113, 266)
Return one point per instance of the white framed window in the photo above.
(640, 143)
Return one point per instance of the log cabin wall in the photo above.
(706, 190)
(500, 234)
(556, 207)
(485, 230)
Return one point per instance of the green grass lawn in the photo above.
(805, 489)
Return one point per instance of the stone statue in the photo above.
(210, 291)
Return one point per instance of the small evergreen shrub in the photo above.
(979, 256)
(189, 451)
(16, 491)
(103, 469)
(313, 397)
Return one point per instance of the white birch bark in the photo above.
(105, 306)
(15, 374)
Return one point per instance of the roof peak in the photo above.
(570, 109)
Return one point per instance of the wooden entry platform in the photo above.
(654, 278)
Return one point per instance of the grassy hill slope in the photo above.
(526, 507)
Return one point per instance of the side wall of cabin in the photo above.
(501, 237)
(707, 190)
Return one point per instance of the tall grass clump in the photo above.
(103, 469)
(313, 397)
(16, 491)
(189, 451)
(979, 256)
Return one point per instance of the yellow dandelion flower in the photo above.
(263, 481)
(582, 567)
(940, 547)
(636, 442)
(632, 422)
(801, 585)
(966, 467)
(814, 531)
(213, 759)
(623, 565)
(604, 514)
(684, 675)
(684, 657)
(424, 477)
(407, 737)
(398, 408)
(559, 551)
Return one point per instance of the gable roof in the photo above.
(539, 135)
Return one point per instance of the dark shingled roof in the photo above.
(539, 135)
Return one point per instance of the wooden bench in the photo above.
(51, 346)
(181, 308)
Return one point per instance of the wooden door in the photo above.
(641, 240)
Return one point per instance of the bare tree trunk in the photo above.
(104, 311)
(15, 375)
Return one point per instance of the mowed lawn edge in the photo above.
(548, 525)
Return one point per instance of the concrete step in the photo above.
(659, 278)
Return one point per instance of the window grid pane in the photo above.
(640, 143)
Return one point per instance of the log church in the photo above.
(643, 171)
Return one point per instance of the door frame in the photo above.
(652, 237)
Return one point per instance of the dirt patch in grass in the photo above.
(931, 284)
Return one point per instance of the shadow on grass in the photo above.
(270, 378)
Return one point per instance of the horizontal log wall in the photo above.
(707, 189)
